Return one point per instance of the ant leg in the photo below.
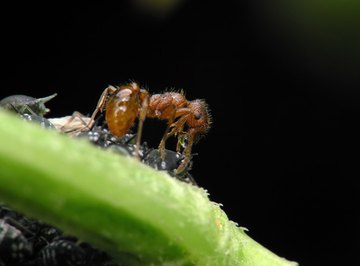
(73, 124)
(143, 111)
(186, 153)
(181, 112)
(163, 140)
(20, 227)
(100, 106)
(180, 142)
(180, 127)
(166, 136)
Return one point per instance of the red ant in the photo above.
(186, 119)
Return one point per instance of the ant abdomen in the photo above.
(121, 111)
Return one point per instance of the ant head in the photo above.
(199, 118)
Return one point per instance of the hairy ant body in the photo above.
(185, 119)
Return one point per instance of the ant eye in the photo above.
(197, 116)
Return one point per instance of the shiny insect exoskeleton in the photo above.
(29, 108)
(42, 121)
(188, 120)
(170, 163)
(23, 104)
(62, 252)
(31, 242)
(14, 247)
(103, 138)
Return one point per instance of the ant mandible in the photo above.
(188, 120)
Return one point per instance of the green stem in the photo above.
(126, 208)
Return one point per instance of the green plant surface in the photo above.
(135, 213)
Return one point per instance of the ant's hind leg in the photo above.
(176, 127)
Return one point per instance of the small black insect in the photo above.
(38, 233)
(101, 137)
(42, 121)
(127, 147)
(62, 253)
(170, 163)
(23, 104)
(49, 233)
(14, 247)
(6, 212)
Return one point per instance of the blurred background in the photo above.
(281, 79)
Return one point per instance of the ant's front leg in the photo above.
(182, 140)
(176, 126)
(187, 152)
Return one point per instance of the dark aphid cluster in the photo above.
(30, 242)
(102, 137)
(14, 247)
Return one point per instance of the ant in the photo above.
(188, 120)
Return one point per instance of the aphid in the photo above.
(14, 247)
(23, 104)
(101, 136)
(42, 121)
(188, 120)
(170, 163)
(62, 253)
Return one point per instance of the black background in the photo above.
(282, 155)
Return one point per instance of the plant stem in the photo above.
(116, 203)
